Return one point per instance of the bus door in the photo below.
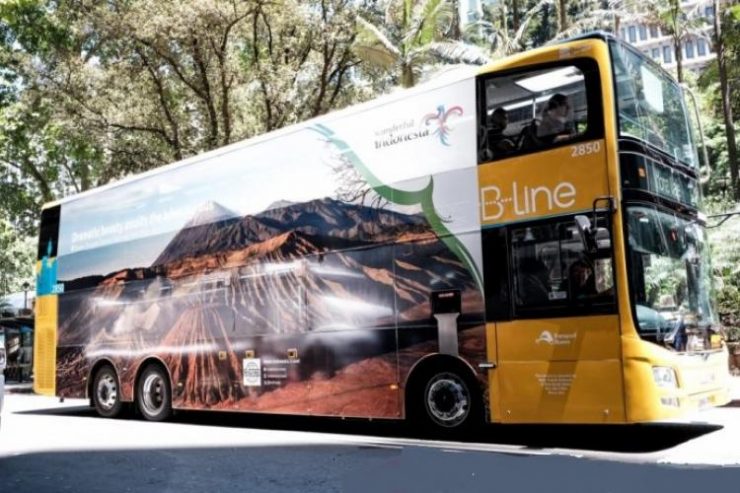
(553, 337)
(557, 350)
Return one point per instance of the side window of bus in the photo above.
(530, 110)
(553, 271)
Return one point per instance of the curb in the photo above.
(19, 389)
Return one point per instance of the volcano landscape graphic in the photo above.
(322, 294)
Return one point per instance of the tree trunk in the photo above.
(455, 31)
(679, 59)
(726, 106)
(407, 75)
(515, 15)
(563, 11)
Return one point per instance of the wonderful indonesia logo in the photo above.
(435, 124)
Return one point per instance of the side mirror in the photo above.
(585, 231)
(596, 241)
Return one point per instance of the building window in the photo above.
(701, 47)
(654, 32)
(667, 55)
(643, 33)
(709, 12)
(632, 34)
(689, 47)
(624, 33)
(656, 53)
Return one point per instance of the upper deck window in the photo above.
(651, 106)
(532, 110)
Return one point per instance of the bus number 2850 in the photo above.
(585, 149)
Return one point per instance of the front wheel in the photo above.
(153, 394)
(447, 402)
(106, 395)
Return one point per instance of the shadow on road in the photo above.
(642, 438)
(348, 468)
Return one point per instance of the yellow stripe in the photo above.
(45, 345)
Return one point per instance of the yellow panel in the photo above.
(703, 380)
(45, 345)
(547, 183)
(562, 370)
(592, 48)
(562, 392)
(494, 391)
(560, 339)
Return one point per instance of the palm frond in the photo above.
(458, 52)
(369, 35)
(430, 19)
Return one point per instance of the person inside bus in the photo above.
(556, 124)
(498, 142)
(582, 280)
(534, 286)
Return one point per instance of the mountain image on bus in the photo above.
(516, 243)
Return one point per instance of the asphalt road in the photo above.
(48, 446)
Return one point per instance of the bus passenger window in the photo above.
(552, 270)
(530, 110)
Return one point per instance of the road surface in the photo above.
(49, 446)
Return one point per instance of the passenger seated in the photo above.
(498, 142)
(582, 280)
(556, 125)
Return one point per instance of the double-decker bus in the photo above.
(518, 243)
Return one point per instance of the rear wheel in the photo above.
(106, 395)
(153, 393)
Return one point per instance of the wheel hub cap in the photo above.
(448, 401)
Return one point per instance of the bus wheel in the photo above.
(153, 393)
(105, 392)
(448, 402)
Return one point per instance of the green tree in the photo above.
(17, 259)
(414, 36)
(727, 47)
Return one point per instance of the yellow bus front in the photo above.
(596, 268)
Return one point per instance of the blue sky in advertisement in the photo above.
(129, 225)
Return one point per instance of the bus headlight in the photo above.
(665, 377)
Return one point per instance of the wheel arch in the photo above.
(437, 360)
(104, 361)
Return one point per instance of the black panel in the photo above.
(446, 301)
(49, 233)
(496, 274)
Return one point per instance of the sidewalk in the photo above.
(19, 388)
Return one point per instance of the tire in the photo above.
(446, 401)
(106, 396)
(154, 393)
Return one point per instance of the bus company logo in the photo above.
(399, 133)
(440, 118)
(252, 372)
(525, 200)
(432, 124)
(547, 337)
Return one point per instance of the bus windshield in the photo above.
(669, 271)
(651, 106)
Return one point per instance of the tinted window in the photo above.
(551, 271)
(527, 111)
